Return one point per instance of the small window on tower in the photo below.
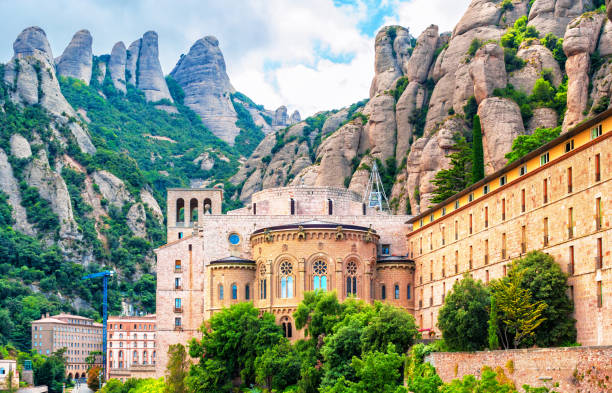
(386, 249)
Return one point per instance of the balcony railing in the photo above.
(598, 262)
(570, 269)
(503, 253)
(570, 233)
(178, 287)
(598, 223)
(178, 309)
(178, 269)
(178, 328)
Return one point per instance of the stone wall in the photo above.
(585, 369)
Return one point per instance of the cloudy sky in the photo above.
(307, 54)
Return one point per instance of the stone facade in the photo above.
(79, 335)
(267, 253)
(575, 369)
(8, 368)
(556, 200)
(131, 347)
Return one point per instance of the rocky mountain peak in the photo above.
(117, 64)
(295, 117)
(150, 78)
(33, 41)
(77, 59)
(202, 75)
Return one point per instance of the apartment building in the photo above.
(131, 346)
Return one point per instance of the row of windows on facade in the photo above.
(70, 329)
(598, 291)
(597, 264)
(135, 345)
(135, 359)
(134, 336)
(140, 326)
(545, 193)
(545, 228)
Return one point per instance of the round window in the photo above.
(234, 239)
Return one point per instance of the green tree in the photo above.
(339, 349)
(318, 313)
(278, 367)
(231, 341)
(547, 283)
(477, 151)
(543, 92)
(389, 325)
(177, 369)
(463, 319)
(524, 144)
(493, 325)
(520, 317)
(458, 176)
(52, 371)
(376, 372)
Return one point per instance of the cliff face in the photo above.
(418, 94)
(76, 61)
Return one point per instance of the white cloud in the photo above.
(277, 51)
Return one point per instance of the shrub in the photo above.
(602, 105)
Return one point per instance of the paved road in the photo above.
(81, 388)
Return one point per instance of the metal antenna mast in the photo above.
(375, 192)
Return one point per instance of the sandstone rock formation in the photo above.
(201, 74)
(31, 76)
(542, 118)
(132, 54)
(51, 186)
(117, 65)
(553, 16)
(501, 123)
(537, 58)
(112, 188)
(10, 186)
(150, 76)
(488, 71)
(580, 41)
(280, 116)
(295, 117)
(479, 13)
(136, 220)
(389, 58)
(76, 61)
(20, 147)
(149, 200)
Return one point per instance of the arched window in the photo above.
(220, 291)
(262, 282)
(287, 327)
(286, 272)
(180, 210)
(292, 206)
(135, 356)
(396, 291)
(247, 292)
(319, 272)
(234, 292)
(193, 210)
(145, 358)
(408, 292)
(207, 206)
(383, 292)
(330, 207)
(351, 278)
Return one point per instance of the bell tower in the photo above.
(189, 207)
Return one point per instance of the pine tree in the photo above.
(458, 176)
(477, 152)
(177, 369)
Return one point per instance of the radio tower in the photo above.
(374, 195)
